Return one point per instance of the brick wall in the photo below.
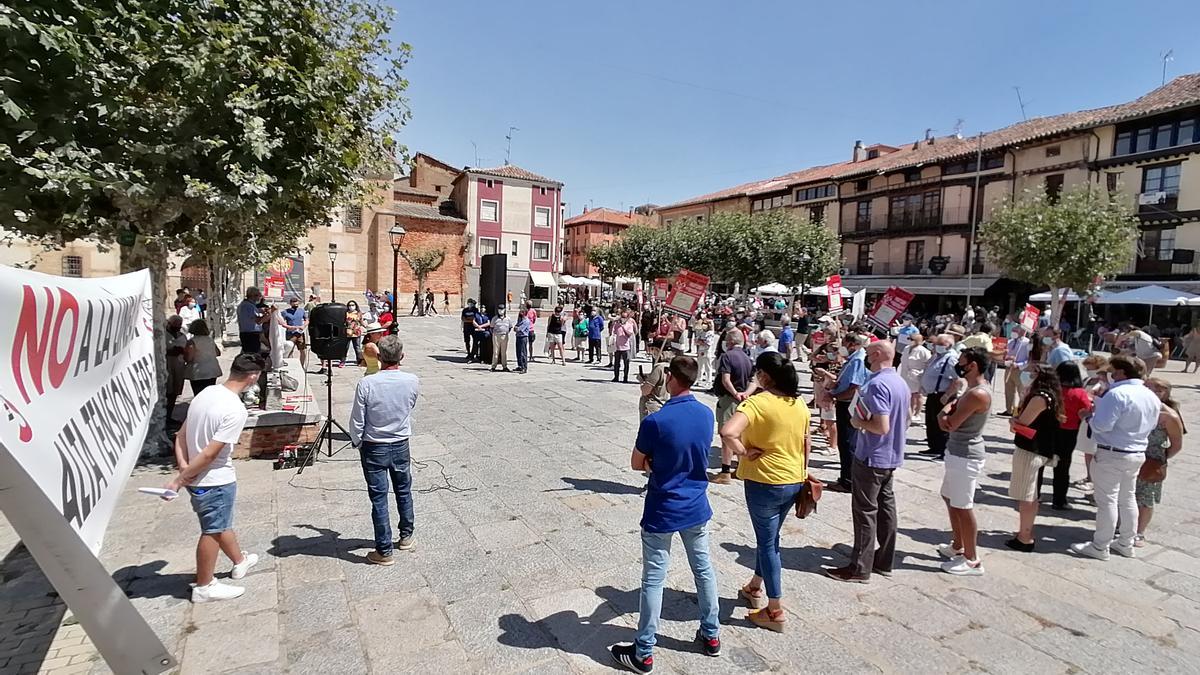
(449, 277)
(266, 442)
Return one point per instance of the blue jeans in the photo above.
(381, 461)
(522, 351)
(769, 505)
(656, 559)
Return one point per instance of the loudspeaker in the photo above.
(327, 331)
(493, 281)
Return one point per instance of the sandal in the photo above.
(765, 618)
(754, 597)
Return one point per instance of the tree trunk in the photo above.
(1057, 302)
(153, 256)
(421, 296)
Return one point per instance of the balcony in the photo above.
(1158, 203)
(954, 268)
(1158, 268)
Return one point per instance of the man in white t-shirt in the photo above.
(203, 452)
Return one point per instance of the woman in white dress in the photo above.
(189, 312)
(912, 366)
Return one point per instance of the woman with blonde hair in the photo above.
(1163, 443)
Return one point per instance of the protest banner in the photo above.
(834, 287)
(859, 304)
(661, 288)
(890, 307)
(1029, 318)
(77, 401)
(686, 294)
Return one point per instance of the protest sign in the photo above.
(77, 401)
(834, 288)
(1029, 318)
(661, 288)
(890, 307)
(686, 294)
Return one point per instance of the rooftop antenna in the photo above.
(1020, 102)
(508, 150)
(1166, 56)
(473, 145)
(958, 127)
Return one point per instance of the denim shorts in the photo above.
(214, 506)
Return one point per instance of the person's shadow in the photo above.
(329, 544)
(592, 635)
(601, 486)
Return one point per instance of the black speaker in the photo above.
(493, 281)
(327, 331)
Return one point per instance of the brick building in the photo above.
(593, 227)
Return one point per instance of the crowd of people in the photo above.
(869, 390)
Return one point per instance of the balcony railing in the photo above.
(1155, 267)
(953, 268)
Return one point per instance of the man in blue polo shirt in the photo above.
(854, 374)
(673, 445)
(787, 339)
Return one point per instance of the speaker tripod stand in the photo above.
(326, 431)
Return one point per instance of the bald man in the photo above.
(881, 418)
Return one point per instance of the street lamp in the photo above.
(332, 259)
(397, 235)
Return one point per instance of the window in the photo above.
(541, 216)
(489, 210)
(862, 185)
(1054, 186)
(1158, 245)
(352, 219)
(916, 210)
(489, 183)
(1157, 135)
(1160, 183)
(776, 202)
(809, 194)
(968, 166)
(977, 259)
(542, 191)
(757, 205)
(1166, 245)
(488, 246)
(515, 249)
(872, 154)
(1054, 151)
(1113, 180)
(72, 266)
(912, 176)
(865, 258)
(914, 257)
(541, 250)
(863, 220)
(816, 214)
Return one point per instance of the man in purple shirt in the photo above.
(881, 417)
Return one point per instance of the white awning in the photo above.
(544, 279)
(921, 285)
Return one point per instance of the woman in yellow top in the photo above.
(769, 432)
(370, 351)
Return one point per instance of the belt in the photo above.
(1101, 446)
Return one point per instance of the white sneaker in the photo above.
(1123, 551)
(948, 552)
(1088, 549)
(962, 567)
(248, 560)
(216, 591)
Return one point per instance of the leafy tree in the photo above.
(423, 262)
(1066, 243)
(214, 128)
(803, 253)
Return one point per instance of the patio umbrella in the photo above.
(1152, 295)
(772, 289)
(824, 290)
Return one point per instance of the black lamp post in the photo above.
(332, 259)
(397, 235)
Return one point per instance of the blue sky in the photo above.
(651, 101)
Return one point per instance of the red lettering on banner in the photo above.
(41, 351)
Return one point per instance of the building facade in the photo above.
(904, 213)
(518, 213)
(594, 227)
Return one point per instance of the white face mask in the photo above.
(843, 352)
(1026, 379)
(939, 349)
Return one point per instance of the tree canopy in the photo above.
(423, 262)
(728, 247)
(216, 127)
(1069, 242)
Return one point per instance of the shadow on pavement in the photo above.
(803, 558)
(25, 592)
(329, 544)
(607, 487)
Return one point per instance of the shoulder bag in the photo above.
(809, 495)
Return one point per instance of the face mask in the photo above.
(961, 371)
(1047, 341)
(1026, 379)
(1091, 373)
(939, 349)
(843, 352)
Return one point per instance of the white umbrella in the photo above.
(1062, 292)
(824, 290)
(772, 289)
(1150, 295)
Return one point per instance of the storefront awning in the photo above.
(544, 279)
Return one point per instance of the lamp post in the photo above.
(397, 236)
(332, 259)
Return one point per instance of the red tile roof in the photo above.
(1179, 92)
(603, 215)
(513, 171)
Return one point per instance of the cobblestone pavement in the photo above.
(529, 562)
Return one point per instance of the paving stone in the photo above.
(397, 625)
(327, 598)
(507, 534)
(239, 642)
(334, 651)
(1001, 653)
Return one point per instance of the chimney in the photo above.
(929, 135)
(585, 209)
(859, 152)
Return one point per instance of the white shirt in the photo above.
(216, 414)
(1125, 416)
(188, 314)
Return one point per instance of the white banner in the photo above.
(859, 306)
(79, 389)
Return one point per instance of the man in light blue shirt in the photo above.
(1059, 351)
(1121, 421)
(854, 374)
(1016, 355)
(380, 426)
(939, 378)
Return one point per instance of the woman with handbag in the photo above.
(769, 432)
(1034, 427)
(1076, 404)
(1163, 443)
